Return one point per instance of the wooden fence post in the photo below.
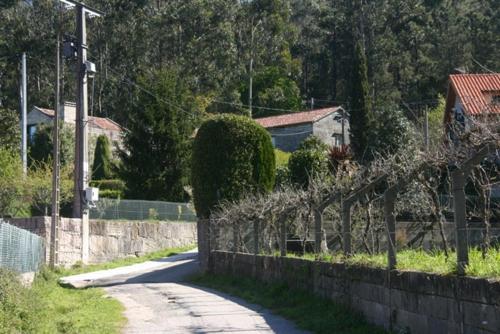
(390, 220)
(462, 244)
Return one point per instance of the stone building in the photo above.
(97, 125)
(287, 131)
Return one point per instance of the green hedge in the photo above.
(232, 156)
(109, 188)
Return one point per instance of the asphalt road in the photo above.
(157, 300)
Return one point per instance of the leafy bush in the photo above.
(232, 156)
(39, 187)
(282, 176)
(313, 143)
(304, 164)
(12, 190)
(310, 159)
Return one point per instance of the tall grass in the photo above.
(425, 261)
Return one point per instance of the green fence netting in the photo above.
(115, 209)
(20, 250)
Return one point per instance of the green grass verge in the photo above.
(47, 307)
(426, 261)
(307, 311)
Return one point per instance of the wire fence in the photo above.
(116, 209)
(20, 250)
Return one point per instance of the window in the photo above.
(495, 99)
(31, 133)
(337, 139)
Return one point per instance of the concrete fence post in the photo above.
(203, 231)
(256, 231)
(346, 227)
(458, 183)
(236, 238)
(318, 231)
(282, 226)
(390, 220)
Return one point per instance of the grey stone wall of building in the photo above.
(289, 138)
(328, 128)
(109, 240)
(409, 302)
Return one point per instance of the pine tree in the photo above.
(102, 167)
(156, 146)
(361, 119)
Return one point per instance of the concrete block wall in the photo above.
(414, 302)
(109, 240)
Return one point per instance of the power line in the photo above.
(136, 85)
(482, 66)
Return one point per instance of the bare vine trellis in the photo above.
(356, 208)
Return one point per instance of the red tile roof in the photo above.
(104, 123)
(95, 122)
(475, 92)
(48, 112)
(296, 118)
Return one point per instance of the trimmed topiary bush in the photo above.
(232, 156)
(102, 167)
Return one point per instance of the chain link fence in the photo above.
(116, 209)
(20, 250)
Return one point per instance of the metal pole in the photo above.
(24, 107)
(54, 227)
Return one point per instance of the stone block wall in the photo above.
(114, 239)
(109, 240)
(414, 302)
(70, 238)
